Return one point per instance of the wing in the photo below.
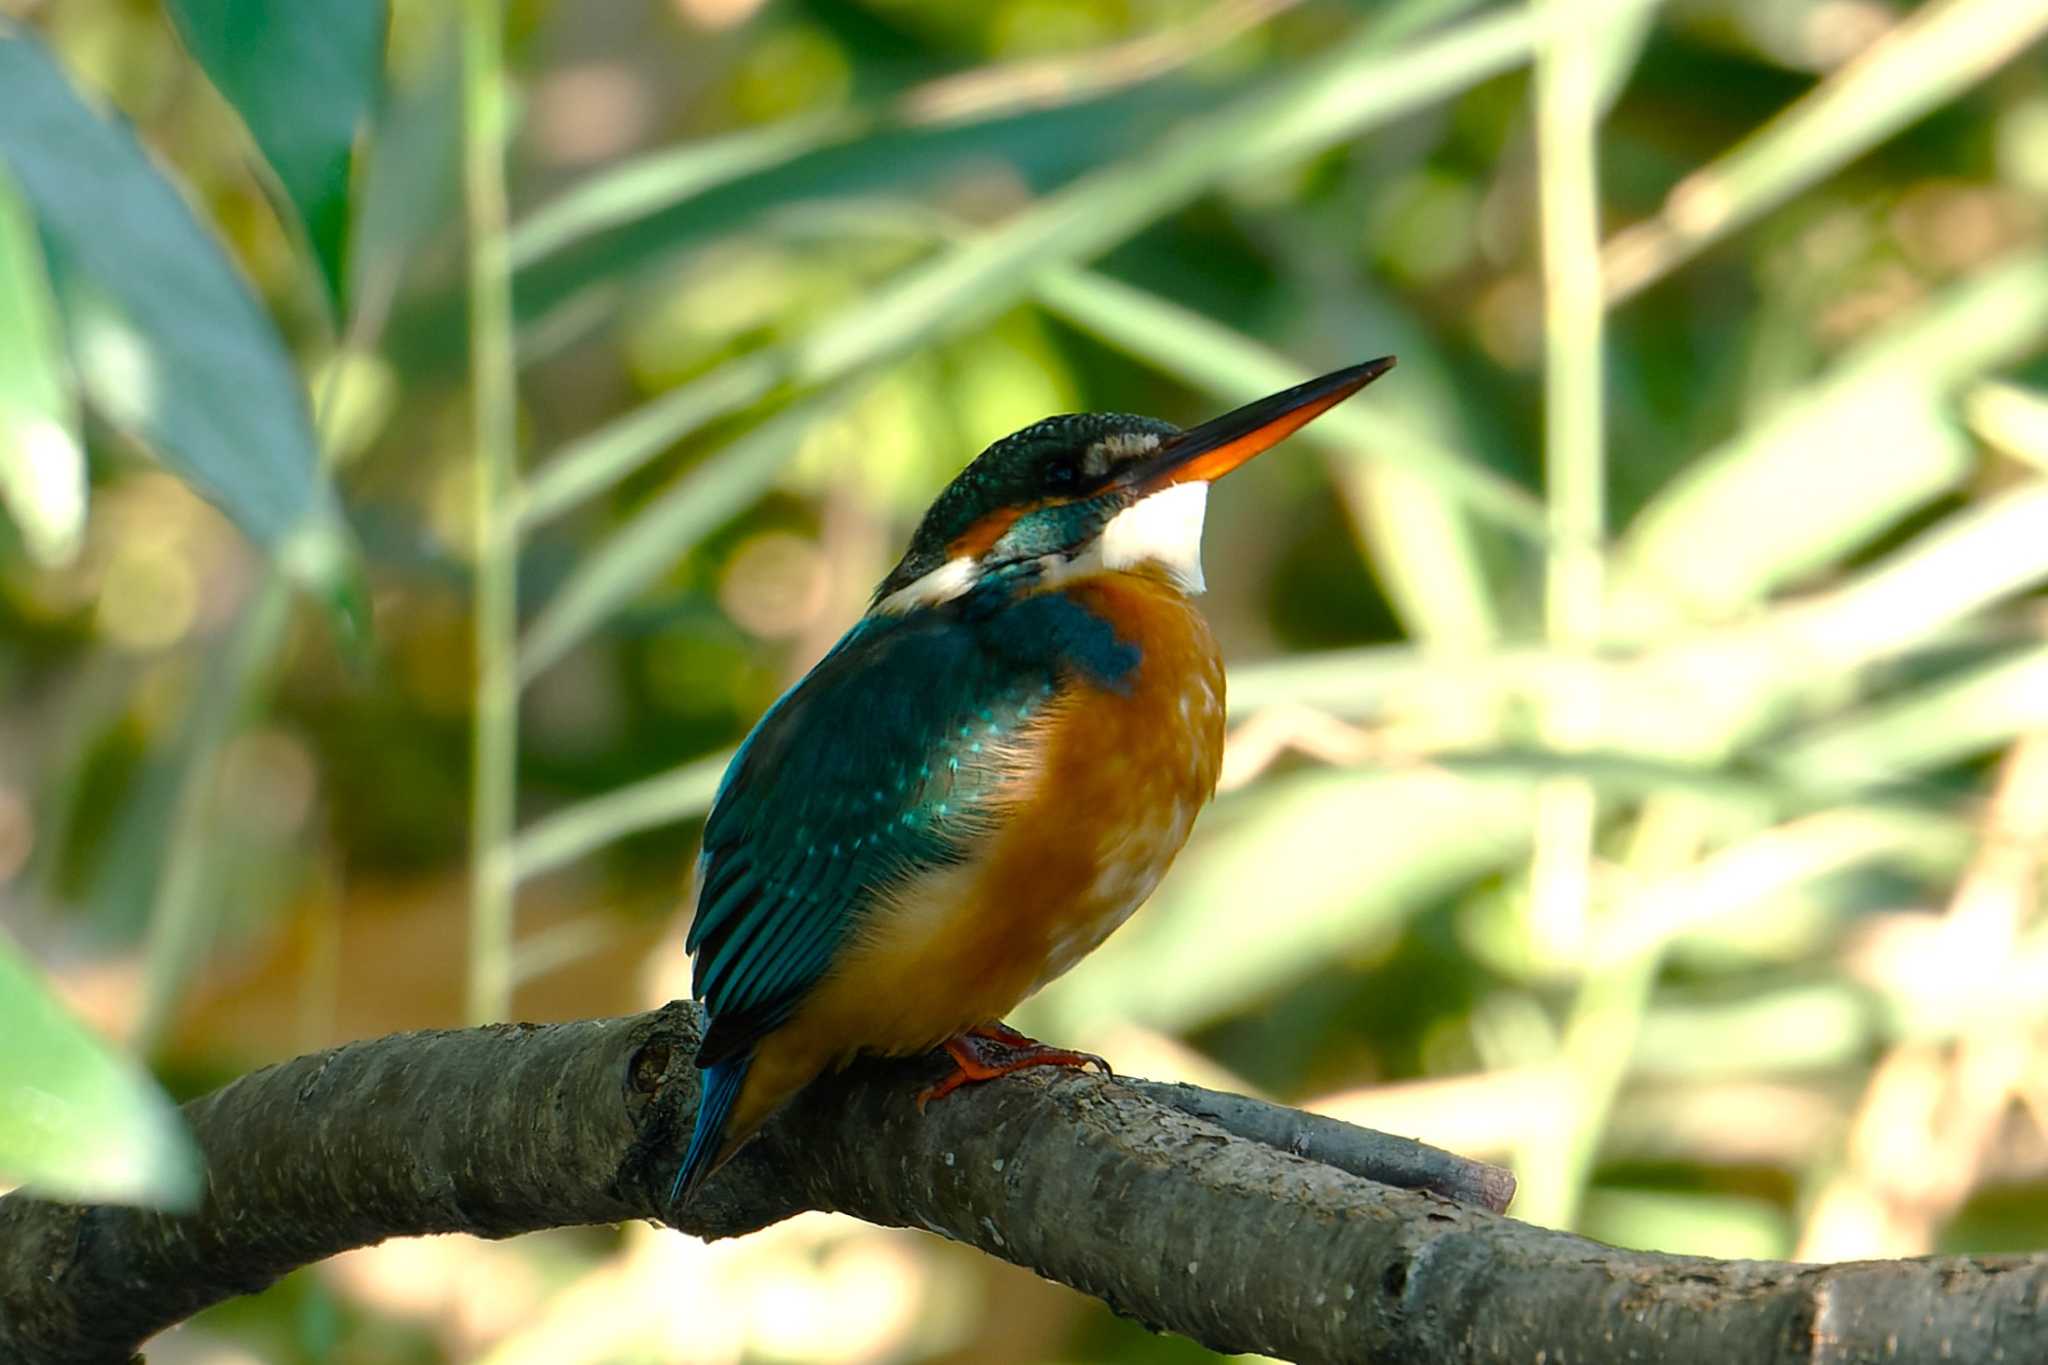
(889, 758)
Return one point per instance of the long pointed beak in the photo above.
(1216, 447)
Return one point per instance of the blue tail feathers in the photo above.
(721, 1087)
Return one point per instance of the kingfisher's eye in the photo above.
(1062, 474)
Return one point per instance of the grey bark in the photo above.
(1247, 1243)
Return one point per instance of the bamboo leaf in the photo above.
(668, 798)
(1361, 85)
(411, 171)
(1972, 711)
(169, 341)
(1962, 565)
(304, 75)
(2013, 419)
(1328, 858)
(42, 465)
(1933, 56)
(78, 1121)
(1836, 462)
(661, 180)
(696, 505)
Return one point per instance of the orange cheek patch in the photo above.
(979, 538)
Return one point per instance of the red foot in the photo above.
(987, 1051)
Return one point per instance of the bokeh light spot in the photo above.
(589, 112)
(776, 585)
(149, 597)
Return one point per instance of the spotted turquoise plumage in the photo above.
(877, 766)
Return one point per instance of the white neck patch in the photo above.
(1163, 529)
(942, 584)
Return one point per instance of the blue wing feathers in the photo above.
(870, 769)
(714, 1107)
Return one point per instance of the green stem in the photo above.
(1937, 52)
(1606, 1019)
(485, 121)
(1567, 84)
(181, 919)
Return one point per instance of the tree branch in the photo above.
(1115, 1188)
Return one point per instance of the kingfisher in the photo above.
(983, 778)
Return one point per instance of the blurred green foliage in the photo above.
(1636, 771)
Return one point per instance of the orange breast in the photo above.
(1110, 792)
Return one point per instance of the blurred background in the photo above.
(1639, 763)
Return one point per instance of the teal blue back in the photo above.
(872, 769)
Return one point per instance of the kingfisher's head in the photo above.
(1101, 486)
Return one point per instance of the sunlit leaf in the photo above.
(1760, 874)
(167, 338)
(76, 1120)
(1685, 1224)
(1797, 1029)
(1618, 43)
(1297, 876)
(1933, 56)
(668, 798)
(659, 181)
(1971, 712)
(709, 495)
(1966, 562)
(2012, 418)
(1836, 462)
(42, 466)
(304, 75)
(410, 180)
(1360, 85)
(1960, 991)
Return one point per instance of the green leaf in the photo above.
(2013, 419)
(696, 505)
(1836, 463)
(1688, 1224)
(1618, 40)
(1961, 565)
(1972, 711)
(176, 822)
(1360, 85)
(1297, 874)
(77, 1121)
(168, 339)
(1801, 1028)
(1376, 679)
(1938, 52)
(304, 75)
(661, 180)
(42, 467)
(642, 209)
(1764, 875)
(645, 213)
(665, 799)
(411, 170)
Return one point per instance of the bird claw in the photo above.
(988, 1051)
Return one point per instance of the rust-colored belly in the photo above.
(1111, 792)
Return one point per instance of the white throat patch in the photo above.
(1163, 529)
